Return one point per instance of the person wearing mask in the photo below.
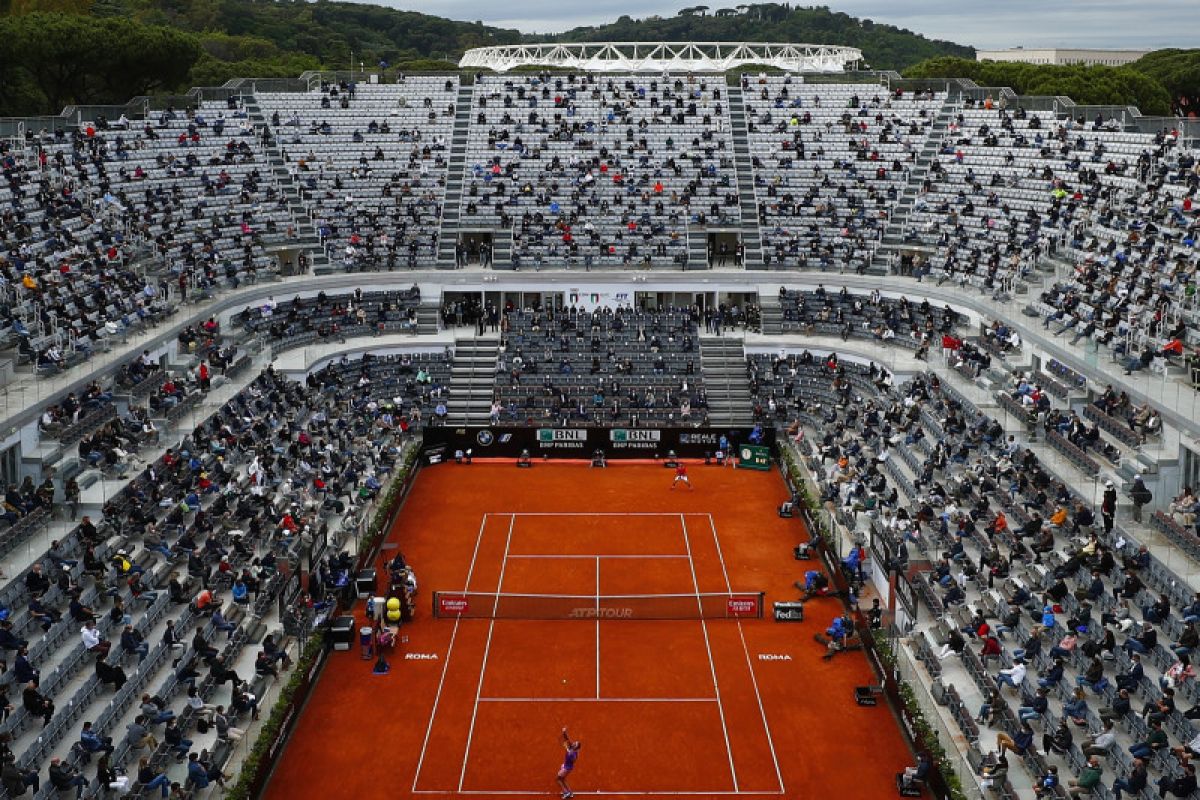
(108, 777)
(1155, 741)
(1013, 676)
(1134, 782)
(150, 778)
(1118, 708)
(1100, 744)
(64, 777)
(1108, 506)
(92, 742)
(1178, 785)
(225, 729)
(1020, 742)
(1140, 496)
(37, 704)
(1059, 740)
(1132, 677)
(1089, 778)
(16, 780)
(173, 736)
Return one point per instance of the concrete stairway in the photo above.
(893, 234)
(451, 204)
(723, 365)
(747, 199)
(298, 210)
(473, 380)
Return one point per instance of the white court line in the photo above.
(597, 699)
(597, 627)
(712, 668)
(601, 555)
(586, 513)
(449, 652)
(749, 665)
(538, 793)
(486, 649)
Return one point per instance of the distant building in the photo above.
(1062, 56)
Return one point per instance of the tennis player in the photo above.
(681, 475)
(568, 764)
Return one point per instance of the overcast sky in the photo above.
(1133, 24)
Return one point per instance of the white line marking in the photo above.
(582, 597)
(712, 668)
(597, 627)
(512, 520)
(473, 792)
(587, 514)
(603, 555)
(449, 652)
(597, 699)
(749, 664)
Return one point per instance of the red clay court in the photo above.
(678, 707)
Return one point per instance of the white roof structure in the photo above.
(663, 56)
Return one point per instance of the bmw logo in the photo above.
(484, 437)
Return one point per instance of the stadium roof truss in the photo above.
(663, 56)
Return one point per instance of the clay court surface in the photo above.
(663, 707)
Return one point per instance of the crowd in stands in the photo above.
(182, 191)
(871, 316)
(126, 631)
(370, 161)
(573, 367)
(303, 320)
(1058, 619)
(598, 170)
(830, 162)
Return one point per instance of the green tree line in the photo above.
(60, 52)
(1161, 83)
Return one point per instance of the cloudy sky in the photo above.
(1134, 24)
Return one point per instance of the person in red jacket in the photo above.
(681, 475)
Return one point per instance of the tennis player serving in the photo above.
(569, 759)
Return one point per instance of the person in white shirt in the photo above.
(1014, 676)
(1099, 744)
(93, 642)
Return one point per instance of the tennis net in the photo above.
(488, 605)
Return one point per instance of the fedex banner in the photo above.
(509, 442)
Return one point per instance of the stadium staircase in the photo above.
(473, 379)
(723, 365)
(502, 249)
(893, 234)
(451, 208)
(770, 313)
(747, 199)
(697, 252)
(428, 314)
(306, 234)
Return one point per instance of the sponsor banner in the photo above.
(635, 435)
(504, 442)
(452, 604)
(743, 606)
(603, 612)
